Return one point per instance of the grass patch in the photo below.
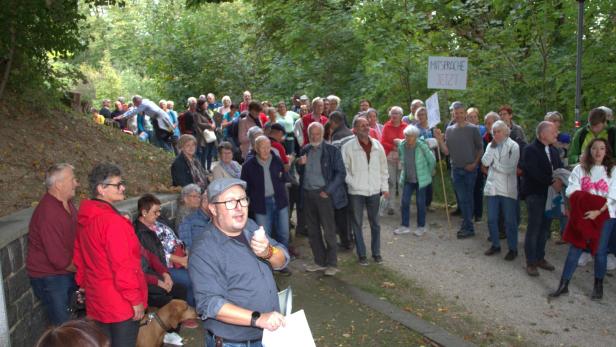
(422, 302)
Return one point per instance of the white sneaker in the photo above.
(173, 339)
(420, 231)
(585, 258)
(402, 230)
(331, 271)
(611, 262)
(314, 268)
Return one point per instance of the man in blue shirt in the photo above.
(231, 269)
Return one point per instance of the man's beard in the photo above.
(316, 144)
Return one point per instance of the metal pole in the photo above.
(578, 63)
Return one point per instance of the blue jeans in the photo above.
(275, 221)
(55, 291)
(501, 205)
(181, 276)
(210, 342)
(357, 203)
(537, 229)
(600, 257)
(420, 200)
(429, 194)
(205, 154)
(464, 184)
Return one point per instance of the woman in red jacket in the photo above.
(393, 134)
(108, 259)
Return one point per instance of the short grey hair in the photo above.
(334, 98)
(500, 125)
(491, 115)
(316, 125)
(53, 173)
(226, 98)
(189, 189)
(417, 101)
(253, 133)
(369, 110)
(542, 126)
(396, 109)
(191, 100)
(137, 98)
(261, 138)
(411, 130)
(361, 116)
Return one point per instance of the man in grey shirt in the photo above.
(163, 126)
(229, 265)
(462, 142)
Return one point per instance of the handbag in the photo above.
(209, 135)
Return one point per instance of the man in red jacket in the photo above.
(50, 243)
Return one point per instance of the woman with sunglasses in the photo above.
(108, 259)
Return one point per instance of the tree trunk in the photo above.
(9, 62)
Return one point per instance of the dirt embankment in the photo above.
(33, 137)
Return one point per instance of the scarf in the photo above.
(196, 171)
(233, 168)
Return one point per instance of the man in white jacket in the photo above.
(366, 178)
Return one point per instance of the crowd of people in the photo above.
(303, 167)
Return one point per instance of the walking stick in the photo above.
(438, 151)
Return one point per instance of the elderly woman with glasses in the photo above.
(188, 202)
(186, 167)
(226, 167)
(501, 188)
(417, 162)
(108, 259)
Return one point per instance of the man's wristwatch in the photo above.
(254, 317)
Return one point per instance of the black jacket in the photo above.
(180, 172)
(150, 241)
(536, 167)
(334, 174)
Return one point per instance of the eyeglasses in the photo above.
(117, 185)
(232, 204)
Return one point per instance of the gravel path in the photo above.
(500, 291)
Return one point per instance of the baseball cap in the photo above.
(456, 105)
(220, 185)
(304, 97)
(278, 126)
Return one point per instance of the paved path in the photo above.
(500, 291)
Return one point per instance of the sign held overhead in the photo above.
(447, 73)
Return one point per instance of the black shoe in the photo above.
(466, 235)
(363, 261)
(491, 251)
(597, 290)
(511, 255)
(563, 288)
(378, 259)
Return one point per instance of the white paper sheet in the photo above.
(434, 114)
(296, 333)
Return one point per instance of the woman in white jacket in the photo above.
(501, 158)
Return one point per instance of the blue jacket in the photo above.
(192, 226)
(333, 171)
(252, 174)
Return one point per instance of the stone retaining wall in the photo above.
(22, 319)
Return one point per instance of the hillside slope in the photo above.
(32, 138)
